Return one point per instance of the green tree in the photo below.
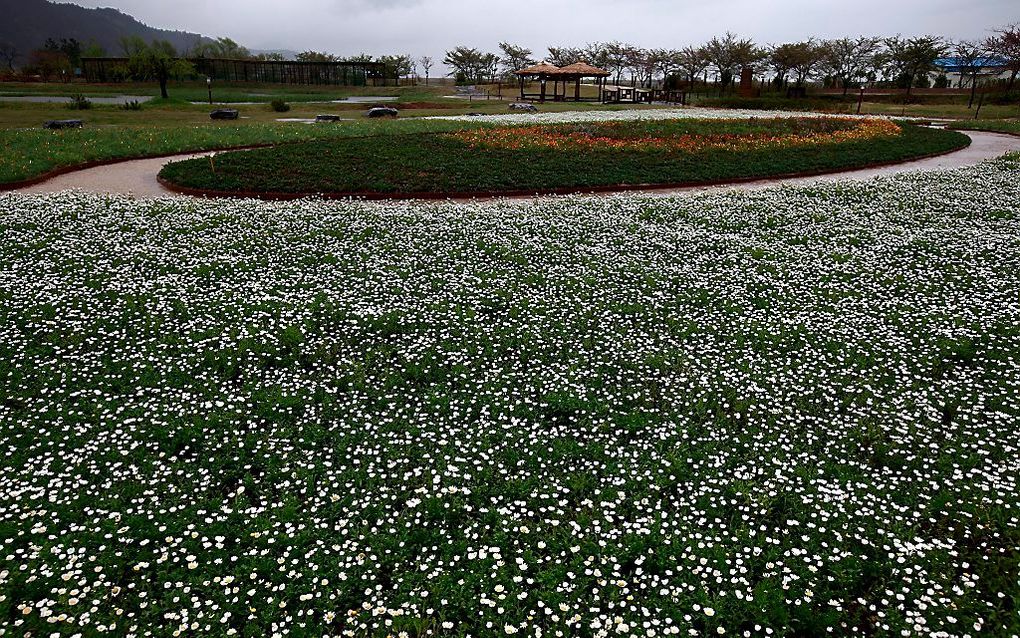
(222, 48)
(71, 48)
(316, 56)
(398, 66)
(728, 55)
(158, 61)
(913, 58)
(93, 50)
(468, 62)
(562, 56)
(847, 60)
(514, 57)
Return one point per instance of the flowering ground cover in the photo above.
(579, 155)
(645, 115)
(792, 412)
(681, 135)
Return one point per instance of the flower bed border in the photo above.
(533, 192)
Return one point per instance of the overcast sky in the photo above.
(429, 27)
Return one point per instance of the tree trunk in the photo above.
(973, 90)
(162, 87)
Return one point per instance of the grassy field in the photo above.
(30, 153)
(1001, 126)
(185, 92)
(794, 411)
(446, 164)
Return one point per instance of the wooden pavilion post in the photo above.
(577, 89)
(541, 81)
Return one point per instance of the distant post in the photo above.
(208, 84)
(860, 100)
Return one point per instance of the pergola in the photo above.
(562, 77)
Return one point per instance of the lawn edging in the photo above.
(74, 168)
(533, 192)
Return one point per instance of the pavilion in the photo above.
(562, 78)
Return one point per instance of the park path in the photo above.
(138, 177)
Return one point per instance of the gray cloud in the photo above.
(429, 27)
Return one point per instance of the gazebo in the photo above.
(560, 76)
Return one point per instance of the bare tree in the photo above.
(426, 64)
(616, 58)
(729, 56)
(1005, 44)
(8, 53)
(970, 58)
(693, 61)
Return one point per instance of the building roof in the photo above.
(955, 64)
(577, 69)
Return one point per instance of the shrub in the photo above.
(279, 106)
(79, 103)
(131, 105)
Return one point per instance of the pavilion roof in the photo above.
(584, 69)
(542, 68)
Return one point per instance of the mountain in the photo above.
(28, 23)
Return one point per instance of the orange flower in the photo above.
(614, 135)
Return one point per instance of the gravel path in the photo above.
(138, 177)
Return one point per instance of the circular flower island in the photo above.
(522, 159)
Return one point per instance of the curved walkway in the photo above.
(138, 177)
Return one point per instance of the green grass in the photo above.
(998, 126)
(441, 164)
(226, 91)
(30, 153)
(933, 106)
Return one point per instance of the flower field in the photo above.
(646, 115)
(662, 135)
(792, 412)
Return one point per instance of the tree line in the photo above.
(843, 62)
(58, 58)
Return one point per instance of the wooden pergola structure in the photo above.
(264, 71)
(562, 78)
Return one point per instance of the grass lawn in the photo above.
(793, 412)
(1000, 126)
(227, 91)
(445, 164)
(167, 127)
(29, 153)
